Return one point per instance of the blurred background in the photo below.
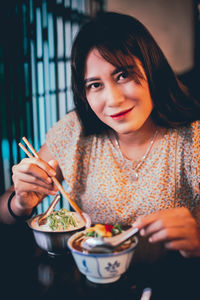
(35, 44)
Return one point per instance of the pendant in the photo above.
(134, 176)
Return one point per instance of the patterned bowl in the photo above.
(102, 267)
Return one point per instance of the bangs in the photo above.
(123, 59)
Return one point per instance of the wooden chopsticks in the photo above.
(57, 183)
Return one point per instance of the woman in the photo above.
(130, 150)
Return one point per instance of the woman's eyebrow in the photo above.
(117, 70)
(91, 79)
(132, 67)
(133, 70)
(122, 68)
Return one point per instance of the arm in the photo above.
(31, 183)
(176, 228)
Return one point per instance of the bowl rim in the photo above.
(70, 240)
(51, 231)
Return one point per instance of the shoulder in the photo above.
(70, 120)
(68, 126)
(189, 141)
(64, 133)
(195, 129)
(191, 133)
(189, 154)
(195, 126)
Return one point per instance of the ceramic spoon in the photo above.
(93, 244)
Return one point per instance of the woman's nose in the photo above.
(114, 95)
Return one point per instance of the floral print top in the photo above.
(101, 182)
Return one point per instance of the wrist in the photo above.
(16, 213)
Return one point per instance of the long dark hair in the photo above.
(118, 38)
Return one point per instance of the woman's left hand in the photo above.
(176, 228)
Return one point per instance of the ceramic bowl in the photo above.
(54, 242)
(102, 267)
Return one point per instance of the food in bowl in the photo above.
(100, 231)
(102, 267)
(60, 220)
(52, 236)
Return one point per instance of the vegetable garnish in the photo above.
(106, 230)
(108, 227)
(61, 220)
(116, 229)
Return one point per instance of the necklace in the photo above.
(134, 172)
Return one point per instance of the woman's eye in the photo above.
(122, 75)
(93, 86)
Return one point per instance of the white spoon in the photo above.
(94, 244)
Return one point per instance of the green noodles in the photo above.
(61, 220)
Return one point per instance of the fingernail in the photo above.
(52, 172)
(142, 232)
(53, 192)
(49, 180)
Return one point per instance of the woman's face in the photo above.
(119, 97)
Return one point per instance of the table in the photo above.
(28, 272)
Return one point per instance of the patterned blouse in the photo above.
(101, 180)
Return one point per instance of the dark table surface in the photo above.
(27, 272)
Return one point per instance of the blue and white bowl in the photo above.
(102, 267)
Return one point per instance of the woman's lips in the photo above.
(121, 114)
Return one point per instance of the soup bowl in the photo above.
(102, 267)
(53, 241)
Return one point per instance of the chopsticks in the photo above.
(57, 183)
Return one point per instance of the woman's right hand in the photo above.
(32, 181)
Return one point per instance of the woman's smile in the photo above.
(121, 115)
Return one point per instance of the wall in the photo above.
(171, 24)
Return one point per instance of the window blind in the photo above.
(35, 79)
